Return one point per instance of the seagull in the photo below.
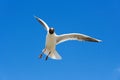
(52, 39)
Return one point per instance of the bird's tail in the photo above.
(54, 54)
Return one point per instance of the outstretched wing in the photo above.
(75, 36)
(42, 22)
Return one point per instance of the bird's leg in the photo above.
(47, 56)
(40, 56)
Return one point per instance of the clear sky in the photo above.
(22, 39)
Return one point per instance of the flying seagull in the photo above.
(52, 39)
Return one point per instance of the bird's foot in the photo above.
(46, 58)
(40, 56)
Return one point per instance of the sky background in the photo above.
(22, 39)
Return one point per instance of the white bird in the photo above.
(52, 40)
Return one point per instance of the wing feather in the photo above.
(75, 36)
(42, 22)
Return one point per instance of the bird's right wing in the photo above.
(75, 36)
(42, 22)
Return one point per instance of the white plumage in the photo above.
(52, 40)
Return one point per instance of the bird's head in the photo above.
(51, 30)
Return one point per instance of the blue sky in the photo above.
(22, 39)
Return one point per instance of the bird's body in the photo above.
(52, 40)
(50, 46)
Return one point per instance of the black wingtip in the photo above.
(35, 17)
(38, 19)
(93, 40)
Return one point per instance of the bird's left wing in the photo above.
(42, 22)
(74, 36)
